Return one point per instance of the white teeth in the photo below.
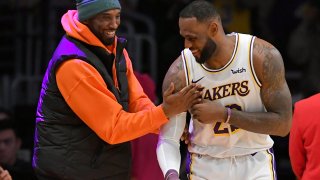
(111, 33)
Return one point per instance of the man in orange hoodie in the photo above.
(91, 104)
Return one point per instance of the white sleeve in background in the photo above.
(168, 149)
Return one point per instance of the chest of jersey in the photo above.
(234, 85)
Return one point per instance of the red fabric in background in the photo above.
(304, 143)
(144, 158)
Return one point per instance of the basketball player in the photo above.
(245, 99)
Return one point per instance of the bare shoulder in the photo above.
(270, 70)
(268, 62)
(176, 75)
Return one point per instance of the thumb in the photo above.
(169, 90)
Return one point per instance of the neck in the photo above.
(223, 53)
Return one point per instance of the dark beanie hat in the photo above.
(89, 8)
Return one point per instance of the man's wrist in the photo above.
(171, 175)
(165, 110)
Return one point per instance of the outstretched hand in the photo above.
(175, 103)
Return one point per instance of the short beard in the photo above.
(100, 36)
(108, 42)
(207, 51)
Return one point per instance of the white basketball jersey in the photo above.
(236, 86)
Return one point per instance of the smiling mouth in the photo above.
(195, 52)
(110, 33)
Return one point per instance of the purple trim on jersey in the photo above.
(188, 163)
(271, 152)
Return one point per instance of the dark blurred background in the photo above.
(31, 29)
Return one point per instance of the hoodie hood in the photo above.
(77, 30)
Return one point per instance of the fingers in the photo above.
(169, 90)
(197, 93)
(186, 132)
(195, 116)
(196, 99)
(185, 135)
(205, 101)
(195, 108)
(179, 102)
(188, 89)
(193, 95)
(200, 87)
(191, 91)
(195, 111)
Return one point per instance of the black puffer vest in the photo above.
(65, 147)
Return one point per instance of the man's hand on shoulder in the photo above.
(175, 103)
(177, 96)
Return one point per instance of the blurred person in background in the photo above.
(303, 47)
(10, 144)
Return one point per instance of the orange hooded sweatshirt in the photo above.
(87, 94)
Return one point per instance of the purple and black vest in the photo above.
(65, 147)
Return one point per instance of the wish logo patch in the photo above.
(236, 71)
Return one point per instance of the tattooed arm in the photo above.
(168, 149)
(275, 94)
(176, 75)
(177, 97)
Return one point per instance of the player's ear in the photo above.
(213, 28)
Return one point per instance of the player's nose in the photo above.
(187, 44)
